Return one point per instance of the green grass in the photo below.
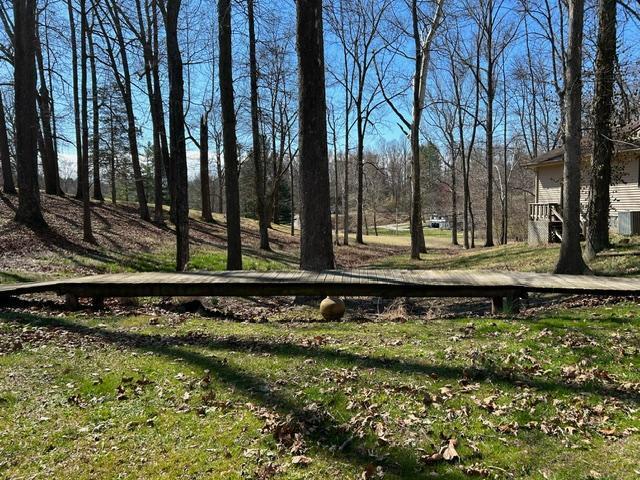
(403, 231)
(157, 261)
(516, 256)
(191, 397)
(621, 260)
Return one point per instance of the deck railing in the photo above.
(543, 211)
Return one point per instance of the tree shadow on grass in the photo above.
(287, 348)
(318, 427)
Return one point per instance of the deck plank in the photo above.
(335, 282)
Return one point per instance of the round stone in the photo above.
(332, 308)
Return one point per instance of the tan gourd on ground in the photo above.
(332, 308)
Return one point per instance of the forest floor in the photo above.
(264, 388)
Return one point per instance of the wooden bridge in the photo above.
(504, 288)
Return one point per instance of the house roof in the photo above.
(552, 156)
(621, 134)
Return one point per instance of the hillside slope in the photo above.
(126, 243)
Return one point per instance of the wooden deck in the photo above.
(349, 283)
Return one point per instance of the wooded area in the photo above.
(387, 110)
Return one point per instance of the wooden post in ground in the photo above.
(507, 304)
(497, 305)
(71, 301)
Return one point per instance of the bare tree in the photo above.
(234, 241)
(76, 96)
(29, 211)
(316, 247)
(205, 189)
(48, 152)
(84, 171)
(146, 31)
(332, 123)
(357, 28)
(570, 260)
(8, 186)
(495, 33)
(178, 149)
(467, 101)
(598, 213)
(423, 45)
(257, 151)
(95, 117)
(122, 76)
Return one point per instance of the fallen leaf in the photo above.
(301, 460)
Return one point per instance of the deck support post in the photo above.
(507, 304)
(71, 301)
(497, 305)
(98, 302)
(511, 304)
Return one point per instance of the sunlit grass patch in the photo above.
(555, 396)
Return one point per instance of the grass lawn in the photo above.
(620, 260)
(115, 394)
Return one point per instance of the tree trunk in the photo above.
(336, 187)
(598, 221)
(473, 225)
(465, 202)
(225, 77)
(489, 152)
(292, 179)
(218, 141)
(48, 151)
(345, 188)
(8, 186)
(505, 174)
(86, 206)
(570, 260)
(274, 204)
(52, 114)
(76, 98)
(112, 157)
(26, 120)
(366, 225)
(417, 231)
(95, 154)
(257, 152)
(375, 220)
(163, 144)
(178, 158)
(360, 179)
(316, 247)
(454, 199)
(157, 119)
(205, 189)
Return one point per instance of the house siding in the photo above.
(549, 184)
(625, 193)
(625, 190)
